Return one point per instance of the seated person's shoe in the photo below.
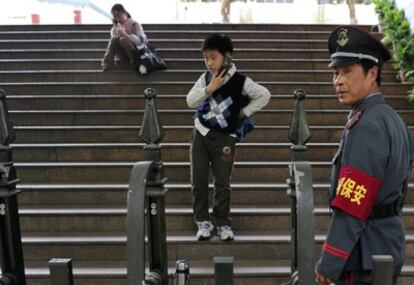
(204, 230)
(225, 233)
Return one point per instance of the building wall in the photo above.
(408, 7)
(175, 11)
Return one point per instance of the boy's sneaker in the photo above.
(204, 230)
(225, 233)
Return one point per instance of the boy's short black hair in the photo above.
(219, 42)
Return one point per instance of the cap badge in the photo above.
(342, 37)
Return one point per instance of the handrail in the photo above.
(301, 194)
(11, 250)
(140, 174)
(146, 194)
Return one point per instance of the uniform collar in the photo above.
(369, 100)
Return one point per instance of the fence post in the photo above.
(146, 191)
(382, 270)
(223, 270)
(61, 271)
(301, 194)
(11, 251)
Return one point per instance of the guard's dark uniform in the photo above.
(369, 176)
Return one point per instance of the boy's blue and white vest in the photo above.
(220, 111)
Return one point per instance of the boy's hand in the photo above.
(217, 80)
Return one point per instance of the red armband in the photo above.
(356, 192)
(335, 251)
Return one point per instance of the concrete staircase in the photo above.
(77, 139)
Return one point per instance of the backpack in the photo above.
(149, 60)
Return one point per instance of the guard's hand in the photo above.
(217, 80)
(321, 279)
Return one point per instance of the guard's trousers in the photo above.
(364, 277)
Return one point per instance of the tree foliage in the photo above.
(397, 33)
(343, 1)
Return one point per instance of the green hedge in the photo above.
(397, 33)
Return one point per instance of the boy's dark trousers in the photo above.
(218, 150)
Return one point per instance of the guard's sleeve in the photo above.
(362, 170)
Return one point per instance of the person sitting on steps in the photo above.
(126, 35)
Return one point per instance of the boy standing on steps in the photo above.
(223, 97)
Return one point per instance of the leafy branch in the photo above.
(397, 33)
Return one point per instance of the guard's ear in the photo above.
(373, 73)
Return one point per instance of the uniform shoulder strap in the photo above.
(354, 119)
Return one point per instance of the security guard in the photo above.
(371, 168)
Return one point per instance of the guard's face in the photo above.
(352, 84)
(213, 60)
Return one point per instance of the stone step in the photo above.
(264, 272)
(243, 34)
(181, 133)
(245, 246)
(165, 101)
(128, 75)
(186, 27)
(173, 64)
(92, 43)
(68, 152)
(119, 172)
(102, 246)
(179, 53)
(129, 133)
(246, 272)
(173, 117)
(109, 195)
(172, 87)
(169, 34)
(178, 218)
(178, 193)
